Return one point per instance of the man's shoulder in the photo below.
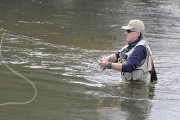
(142, 42)
(140, 47)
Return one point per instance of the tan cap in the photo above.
(134, 24)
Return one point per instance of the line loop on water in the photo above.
(18, 74)
(23, 77)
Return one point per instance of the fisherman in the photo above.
(134, 60)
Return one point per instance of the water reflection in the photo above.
(127, 101)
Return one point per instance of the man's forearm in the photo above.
(116, 66)
(111, 58)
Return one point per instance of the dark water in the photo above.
(72, 86)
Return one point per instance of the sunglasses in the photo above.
(128, 31)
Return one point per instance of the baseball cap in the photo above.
(134, 24)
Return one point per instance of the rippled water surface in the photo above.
(56, 45)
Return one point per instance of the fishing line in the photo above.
(23, 77)
(54, 46)
(18, 74)
(47, 44)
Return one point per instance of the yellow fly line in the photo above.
(18, 74)
(23, 77)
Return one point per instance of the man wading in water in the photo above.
(134, 60)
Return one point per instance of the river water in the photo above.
(70, 85)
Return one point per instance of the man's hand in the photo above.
(103, 63)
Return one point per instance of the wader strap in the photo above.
(153, 71)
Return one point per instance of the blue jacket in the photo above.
(136, 57)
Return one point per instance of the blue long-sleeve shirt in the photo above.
(134, 60)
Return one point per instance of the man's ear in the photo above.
(139, 33)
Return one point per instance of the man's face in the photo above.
(131, 35)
